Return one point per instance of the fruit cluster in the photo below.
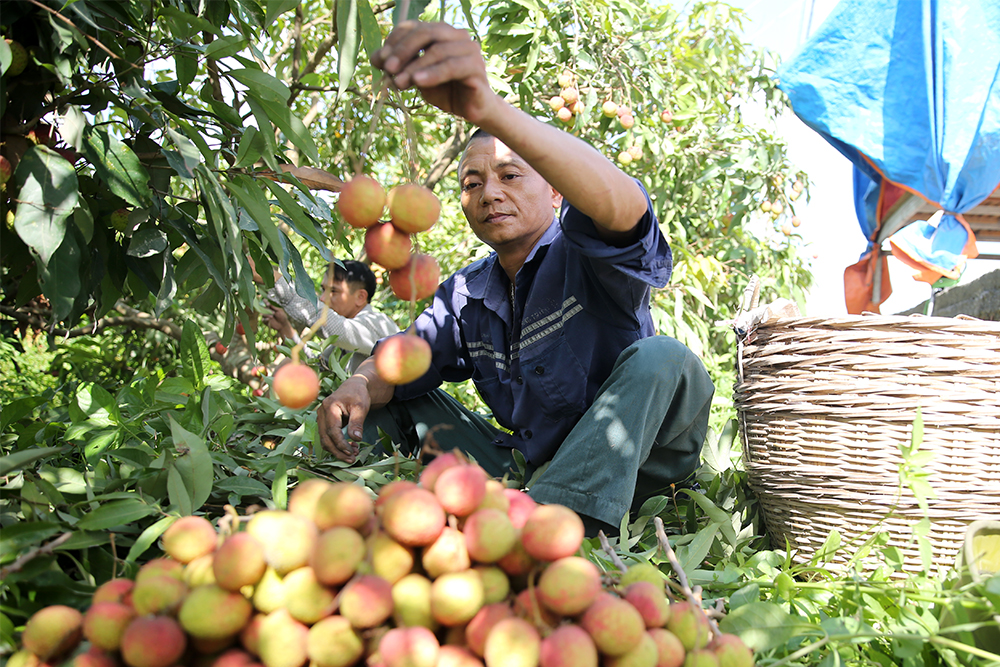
(412, 208)
(454, 570)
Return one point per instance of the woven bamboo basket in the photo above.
(824, 405)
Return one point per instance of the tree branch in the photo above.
(317, 57)
(130, 317)
(213, 69)
(447, 154)
(19, 564)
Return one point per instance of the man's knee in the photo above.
(659, 356)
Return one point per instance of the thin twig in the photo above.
(43, 550)
(90, 37)
(692, 597)
(606, 546)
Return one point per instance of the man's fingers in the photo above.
(330, 423)
(406, 42)
(444, 62)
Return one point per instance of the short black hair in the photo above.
(356, 274)
(480, 133)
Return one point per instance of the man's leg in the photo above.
(644, 431)
(450, 425)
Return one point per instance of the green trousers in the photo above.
(644, 432)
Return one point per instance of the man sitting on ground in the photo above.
(554, 326)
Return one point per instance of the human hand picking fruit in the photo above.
(444, 63)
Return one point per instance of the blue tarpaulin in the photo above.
(909, 91)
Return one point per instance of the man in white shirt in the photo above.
(348, 293)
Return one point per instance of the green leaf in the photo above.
(764, 625)
(97, 404)
(299, 220)
(20, 460)
(692, 555)
(350, 42)
(292, 127)
(98, 443)
(185, 158)
(193, 465)
(225, 47)
(243, 486)
(115, 513)
(717, 515)
(25, 534)
(48, 193)
(467, 12)
(371, 35)
(262, 85)
(746, 595)
(276, 8)
(279, 486)
(117, 165)
(829, 548)
(148, 537)
(252, 198)
(251, 148)
(194, 354)
(417, 8)
(60, 278)
(18, 408)
(6, 57)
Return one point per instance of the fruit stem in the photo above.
(661, 537)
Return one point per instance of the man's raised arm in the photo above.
(447, 66)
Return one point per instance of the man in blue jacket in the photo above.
(554, 326)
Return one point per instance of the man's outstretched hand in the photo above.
(444, 63)
(348, 407)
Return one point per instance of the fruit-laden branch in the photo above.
(446, 156)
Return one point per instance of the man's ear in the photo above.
(556, 199)
(361, 298)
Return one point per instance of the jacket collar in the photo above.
(487, 280)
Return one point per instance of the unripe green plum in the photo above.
(411, 600)
(456, 597)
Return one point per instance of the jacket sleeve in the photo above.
(648, 260)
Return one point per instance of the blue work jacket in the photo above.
(538, 362)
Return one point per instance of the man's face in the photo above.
(507, 203)
(341, 299)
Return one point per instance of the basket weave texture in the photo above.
(824, 405)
